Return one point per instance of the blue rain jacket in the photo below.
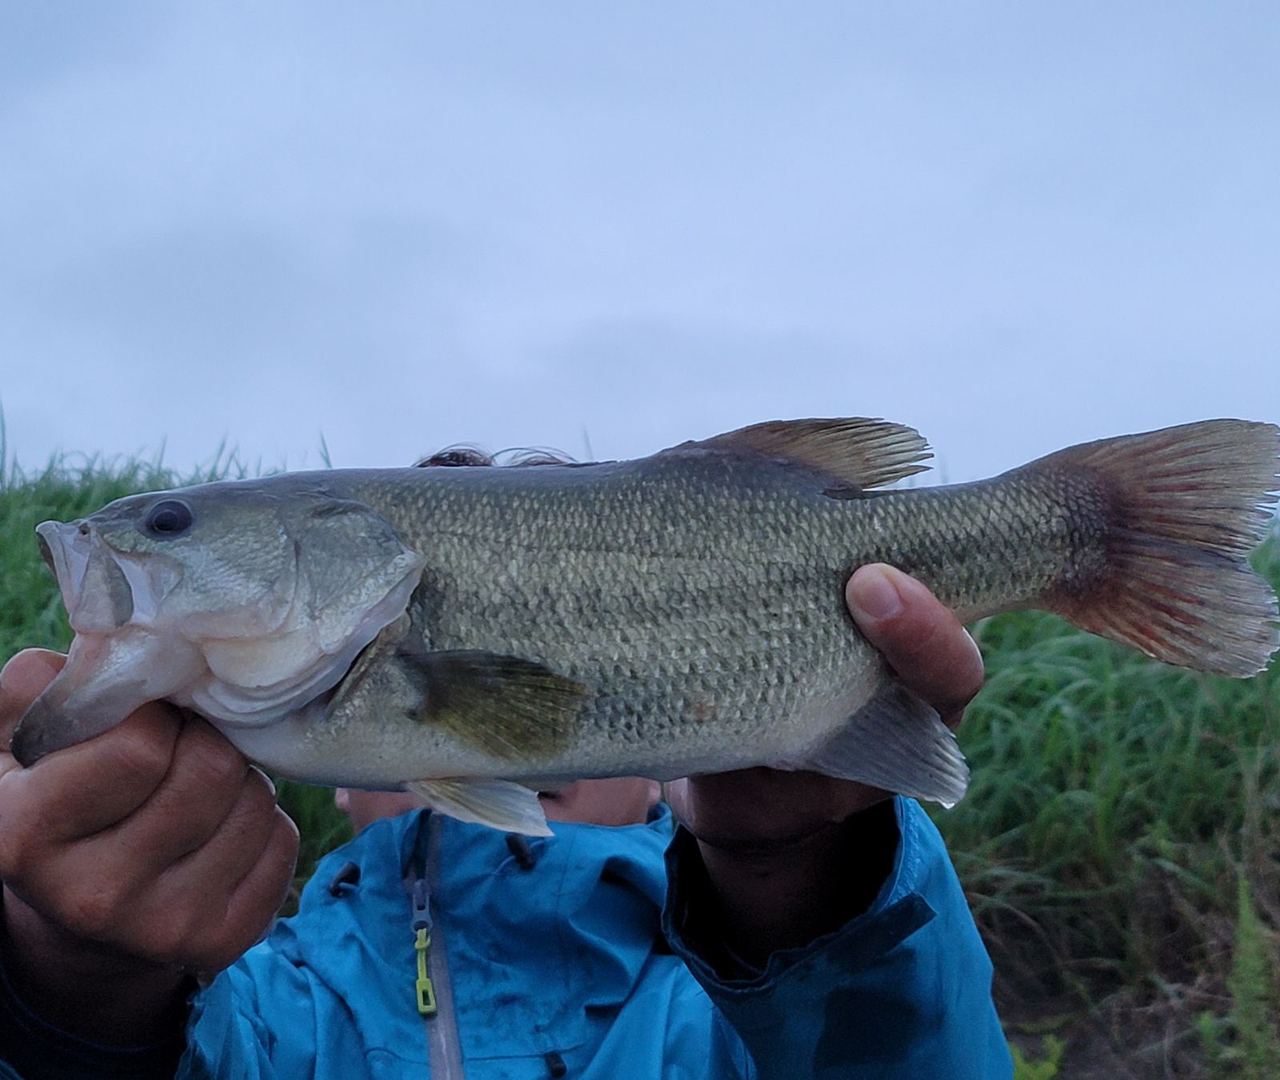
(559, 967)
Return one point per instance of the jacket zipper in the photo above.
(433, 990)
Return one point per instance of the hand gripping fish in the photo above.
(470, 633)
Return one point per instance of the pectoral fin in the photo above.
(897, 742)
(512, 708)
(501, 804)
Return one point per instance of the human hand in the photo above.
(769, 838)
(932, 655)
(148, 850)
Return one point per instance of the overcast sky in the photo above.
(609, 227)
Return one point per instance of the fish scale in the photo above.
(464, 631)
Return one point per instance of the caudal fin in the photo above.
(1184, 506)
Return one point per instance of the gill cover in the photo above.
(253, 600)
(351, 576)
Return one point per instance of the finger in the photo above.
(206, 778)
(918, 635)
(259, 894)
(229, 854)
(221, 898)
(102, 890)
(87, 788)
(24, 677)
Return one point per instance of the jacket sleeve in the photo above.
(225, 1040)
(255, 1021)
(901, 991)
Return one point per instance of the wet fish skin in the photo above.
(703, 600)
(684, 612)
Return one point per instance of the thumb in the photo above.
(920, 638)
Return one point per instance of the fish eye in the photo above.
(167, 519)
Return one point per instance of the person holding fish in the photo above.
(474, 636)
(154, 853)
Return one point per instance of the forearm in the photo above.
(91, 992)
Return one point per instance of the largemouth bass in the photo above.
(472, 633)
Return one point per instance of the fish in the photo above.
(475, 634)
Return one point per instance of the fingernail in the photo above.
(270, 783)
(874, 595)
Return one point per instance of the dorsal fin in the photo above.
(858, 451)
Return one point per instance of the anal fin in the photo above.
(501, 804)
(897, 742)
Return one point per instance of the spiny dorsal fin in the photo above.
(858, 451)
(512, 708)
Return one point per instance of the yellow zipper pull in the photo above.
(421, 902)
(426, 992)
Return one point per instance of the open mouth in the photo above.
(65, 547)
(102, 589)
(95, 592)
(46, 552)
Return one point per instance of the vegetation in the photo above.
(1116, 804)
(1120, 844)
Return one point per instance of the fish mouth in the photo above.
(46, 552)
(65, 547)
(95, 590)
(104, 589)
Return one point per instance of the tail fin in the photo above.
(1185, 505)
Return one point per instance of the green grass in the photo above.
(1114, 807)
(1120, 844)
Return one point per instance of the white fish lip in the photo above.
(103, 589)
(95, 590)
(65, 548)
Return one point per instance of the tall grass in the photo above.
(1120, 843)
(1115, 805)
